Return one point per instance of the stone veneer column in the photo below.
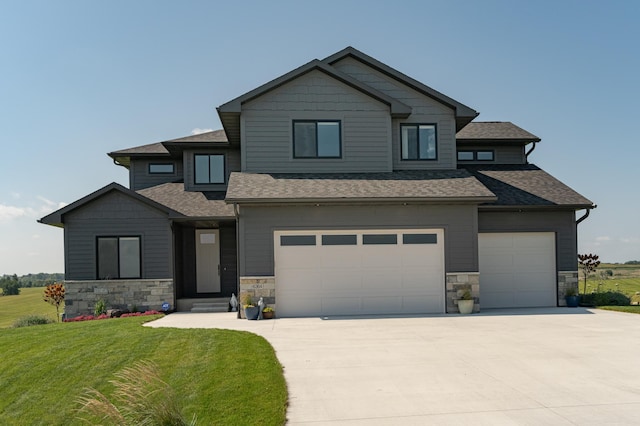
(566, 280)
(258, 287)
(457, 282)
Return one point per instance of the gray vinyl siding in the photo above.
(140, 178)
(425, 111)
(561, 222)
(232, 164)
(257, 224)
(116, 214)
(502, 154)
(267, 129)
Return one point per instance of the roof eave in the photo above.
(364, 200)
(523, 207)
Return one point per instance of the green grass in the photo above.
(28, 302)
(224, 377)
(628, 309)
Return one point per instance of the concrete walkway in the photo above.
(556, 366)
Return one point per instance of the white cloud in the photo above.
(198, 130)
(8, 213)
(603, 238)
(631, 240)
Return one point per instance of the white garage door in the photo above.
(517, 270)
(356, 272)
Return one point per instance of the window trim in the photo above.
(417, 126)
(315, 123)
(118, 237)
(475, 155)
(172, 172)
(224, 169)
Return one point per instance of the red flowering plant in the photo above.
(54, 295)
(105, 316)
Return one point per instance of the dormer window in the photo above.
(475, 156)
(419, 142)
(209, 169)
(316, 139)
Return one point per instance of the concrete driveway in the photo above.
(556, 366)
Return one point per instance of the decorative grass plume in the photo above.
(140, 398)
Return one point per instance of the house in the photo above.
(341, 187)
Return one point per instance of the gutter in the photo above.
(586, 215)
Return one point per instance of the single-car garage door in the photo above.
(517, 270)
(352, 272)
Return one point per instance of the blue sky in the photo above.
(83, 78)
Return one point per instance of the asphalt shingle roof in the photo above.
(526, 185)
(495, 130)
(419, 185)
(190, 204)
(159, 148)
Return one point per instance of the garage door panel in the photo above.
(522, 276)
(377, 277)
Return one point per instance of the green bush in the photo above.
(606, 298)
(30, 320)
(100, 308)
(10, 285)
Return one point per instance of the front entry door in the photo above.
(207, 261)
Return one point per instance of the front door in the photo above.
(207, 260)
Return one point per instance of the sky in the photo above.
(79, 79)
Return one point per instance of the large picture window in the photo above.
(316, 139)
(419, 142)
(209, 168)
(118, 257)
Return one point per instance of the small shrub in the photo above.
(30, 320)
(100, 308)
(54, 295)
(606, 298)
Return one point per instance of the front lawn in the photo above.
(224, 377)
(629, 309)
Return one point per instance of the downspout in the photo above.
(586, 215)
(237, 215)
(526, 156)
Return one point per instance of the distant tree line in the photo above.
(632, 262)
(11, 284)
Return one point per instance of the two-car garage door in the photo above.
(351, 272)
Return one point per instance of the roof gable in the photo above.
(57, 218)
(464, 114)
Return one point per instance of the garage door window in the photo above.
(419, 239)
(379, 239)
(339, 240)
(297, 240)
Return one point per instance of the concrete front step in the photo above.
(217, 306)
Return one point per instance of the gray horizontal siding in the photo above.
(424, 110)
(258, 223)
(267, 129)
(561, 222)
(140, 178)
(502, 154)
(232, 164)
(115, 214)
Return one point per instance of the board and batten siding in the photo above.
(257, 224)
(116, 214)
(503, 154)
(232, 164)
(267, 127)
(140, 178)
(425, 110)
(563, 223)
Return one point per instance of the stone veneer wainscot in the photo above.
(81, 296)
(457, 282)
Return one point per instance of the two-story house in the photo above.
(342, 187)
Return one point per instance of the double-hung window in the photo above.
(316, 139)
(209, 168)
(118, 257)
(419, 142)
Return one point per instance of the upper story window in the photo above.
(209, 168)
(419, 142)
(316, 139)
(475, 156)
(118, 257)
(161, 168)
